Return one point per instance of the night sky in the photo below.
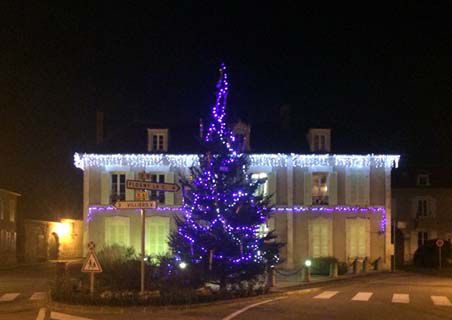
(380, 74)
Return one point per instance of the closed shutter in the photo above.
(271, 181)
(117, 231)
(320, 237)
(363, 189)
(169, 196)
(157, 233)
(432, 207)
(324, 237)
(105, 188)
(332, 188)
(357, 238)
(130, 193)
(307, 188)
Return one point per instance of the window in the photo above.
(357, 185)
(357, 238)
(320, 188)
(158, 140)
(118, 187)
(262, 189)
(2, 209)
(422, 237)
(423, 208)
(320, 238)
(12, 210)
(157, 195)
(157, 233)
(423, 180)
(117, 231)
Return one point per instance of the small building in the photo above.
(8, 226)
(422, 208)
(52, 240)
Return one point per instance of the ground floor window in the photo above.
(157, 233)
(357, 238)
(117, 231)
(422, 237)
(320, 237)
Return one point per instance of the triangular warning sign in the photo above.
(91, 264)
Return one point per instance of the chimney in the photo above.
(99, 127)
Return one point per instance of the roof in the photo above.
(406, 177)
(10, 192)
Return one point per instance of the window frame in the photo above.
(261, 190)
(157, 220)
(421, 176)
(12, 210)
(115, 221)
(423, 208)
(115, 192)
(323, 198)
(318, 224)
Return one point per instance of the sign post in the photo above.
(439, 243)
(91, 265)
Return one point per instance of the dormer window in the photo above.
(157, 140)
(319, 140)
(423, 180)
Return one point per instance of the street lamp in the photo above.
(182, 265)
(307, 270)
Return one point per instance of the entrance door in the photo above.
(54, 244)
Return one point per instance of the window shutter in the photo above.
(432, 207)
(271, 180)
(169, 196)
(348, 187)
(117, 231)
(307, 188)
(157, 233)
(130, 193)
(363, 189)
(324, 237)
(414, 205)
(105, 187)
(332, 188)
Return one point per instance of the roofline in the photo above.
(83, 161)
(11, 192)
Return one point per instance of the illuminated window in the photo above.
(118, 187)
(117, 231)
(262, 189)
(357, 238)
(157, 233)
(158, 140)
(319, 188)
(320, 237)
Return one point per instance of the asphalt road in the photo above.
(382, 296)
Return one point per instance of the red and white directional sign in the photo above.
(157, 186)
(439, 243)
(91, 264)
(136, 205)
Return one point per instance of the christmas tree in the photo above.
(218, 238)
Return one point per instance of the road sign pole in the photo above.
(143, 221)
(91, 283)
(439, 257)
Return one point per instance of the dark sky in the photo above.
(381, 74)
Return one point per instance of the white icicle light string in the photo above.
(84, 161)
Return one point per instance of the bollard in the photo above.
(333, 270)
(355, 266)
(365, 266)
(306, 274)
(377, 264)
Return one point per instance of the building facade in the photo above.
(8, 226)
(422, 202)
(323, 204)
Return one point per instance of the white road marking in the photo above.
(441, 301)
(326, 295)
(362, 296)
(235, 314)
(64, 316)
(38, 296)
(9, 297)
(41, 314)
(400, 298)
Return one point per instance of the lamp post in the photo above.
(307, 270)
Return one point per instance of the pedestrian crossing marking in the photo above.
(362, 296)
(400, 298)
(326, 295)
(64, 316)
(441, 301)
(9, 297)
(38, 296)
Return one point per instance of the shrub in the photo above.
(427, 254)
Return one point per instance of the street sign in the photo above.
(136, 205)
(439, 243)
(91, 246)
(156, 186)
(141, 196)
(91, 264)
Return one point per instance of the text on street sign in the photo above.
(157, 186)
(136, 205)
